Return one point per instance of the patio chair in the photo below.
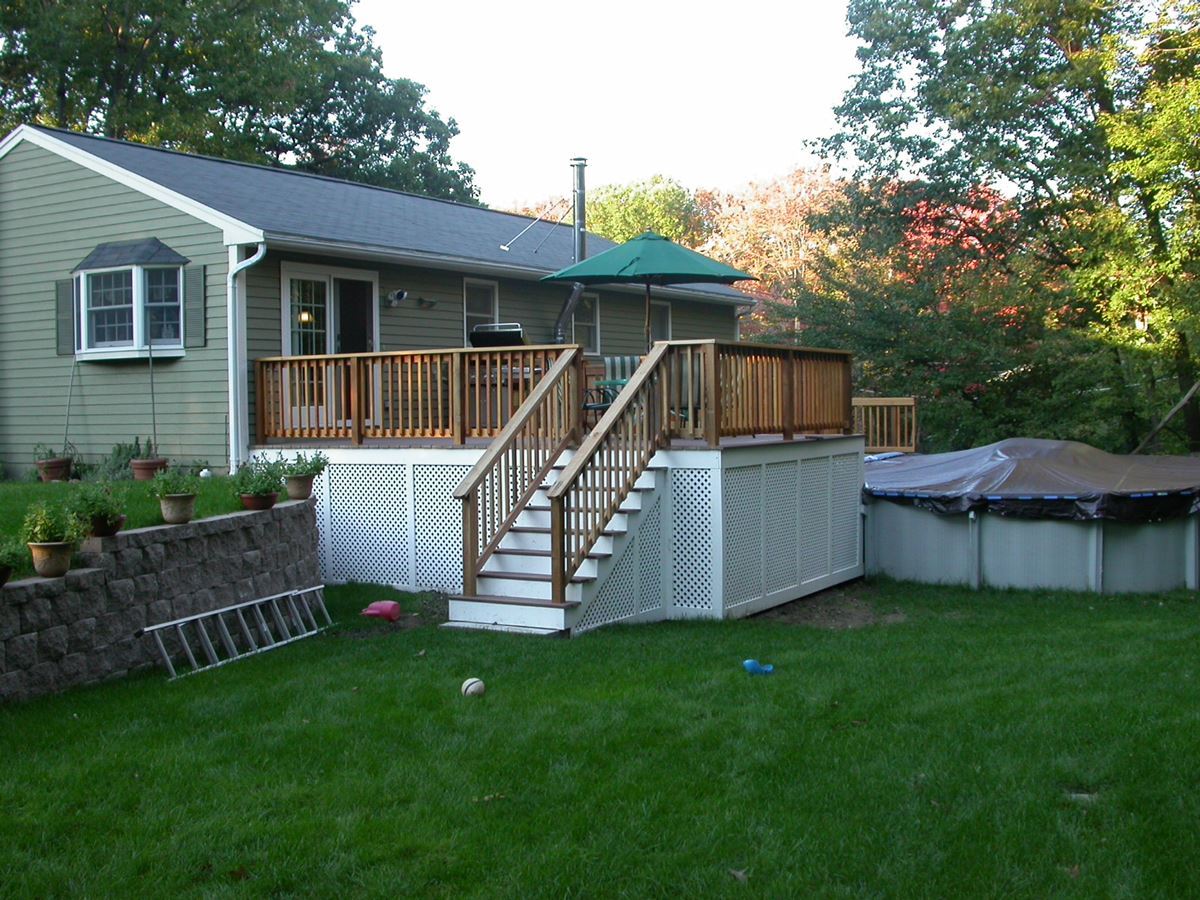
(617, 372)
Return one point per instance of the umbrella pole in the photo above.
(647, 317)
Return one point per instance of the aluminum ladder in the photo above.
(212, 639)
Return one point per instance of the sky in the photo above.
(714, 95)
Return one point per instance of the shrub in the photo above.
(50, 523)
(12, 554)
(96, 500)
(115, 466)
(173, 481)
(259, 477)
(305, 464)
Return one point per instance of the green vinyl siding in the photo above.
(533, 304)
(53, 212)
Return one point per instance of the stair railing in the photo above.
(603, 471)
(508, 474)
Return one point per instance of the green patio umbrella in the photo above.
(650, 259)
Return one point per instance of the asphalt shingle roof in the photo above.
(287, 204)
(142, 252)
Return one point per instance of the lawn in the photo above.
(141, 508)
(1015, 744)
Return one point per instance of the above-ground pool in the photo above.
(1035, 514)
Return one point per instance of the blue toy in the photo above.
(754, 667)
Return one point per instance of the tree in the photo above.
(285, 82)
(769, 231)
(659, 204)
(1045, 101)
(933, 301)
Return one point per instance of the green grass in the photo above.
(995, 744)
(141, 508)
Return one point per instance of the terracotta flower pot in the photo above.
(144, 469)
(299, 487)
(57, 469)
(104, 527)
(177, 508)
(259, 501)
(52, 560)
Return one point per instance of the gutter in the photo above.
(235, 352)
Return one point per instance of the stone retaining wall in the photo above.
(57, 633)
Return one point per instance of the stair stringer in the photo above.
(634, 584)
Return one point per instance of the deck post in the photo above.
(260, 404)
(712, 395)
(847, 400)
(789, 395)
(558, 550)
(356, 416)
(458, 406)
(470, 542)
(575, 397)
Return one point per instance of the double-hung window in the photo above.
(131, 309)
(586, 323)
(481, 305)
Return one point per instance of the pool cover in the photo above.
(1041, 479)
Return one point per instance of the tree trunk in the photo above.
(1185, 376)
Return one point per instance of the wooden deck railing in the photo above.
(455, 394)
(718, 389)
(500, 484)
(888, 423)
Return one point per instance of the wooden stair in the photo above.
(513, 589)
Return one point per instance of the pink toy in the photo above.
(383, 609)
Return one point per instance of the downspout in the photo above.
(579, 163)
(235, 351)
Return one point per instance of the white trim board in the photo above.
(233, 230)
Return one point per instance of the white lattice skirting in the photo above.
(725, 533)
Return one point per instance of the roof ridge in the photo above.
(296, 172)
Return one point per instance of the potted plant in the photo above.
(146, 462)
(52, 465)
(300, 472)
(12, 556)
(98, 506)
(51, 531)
(258, 483)
(176, 492)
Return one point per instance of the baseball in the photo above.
(473, 687)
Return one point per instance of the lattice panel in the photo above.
(438, 532)
(650, 568)
(692, 553)
(781, 487)
(617, 599)
(743, 501)
(319, 489)
(847, 491)
(368, 523)
(814, 518)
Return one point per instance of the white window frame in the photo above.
(138, 348)
(316, 272)
(495, 286)
(595, 298)
(670, 324)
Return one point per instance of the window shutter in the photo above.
(193, 307)
(64, 316)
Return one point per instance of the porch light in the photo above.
(305, 317)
